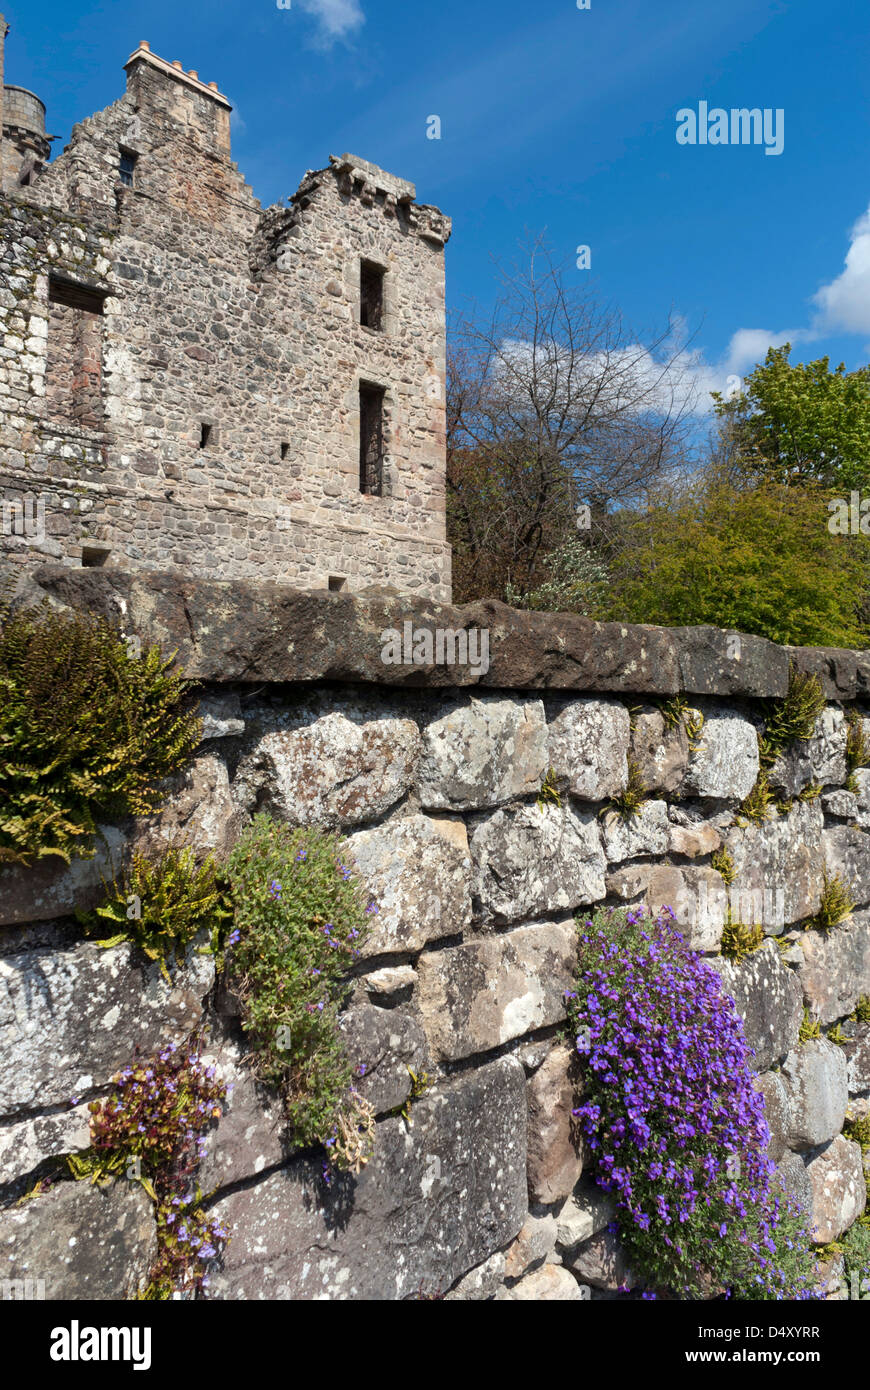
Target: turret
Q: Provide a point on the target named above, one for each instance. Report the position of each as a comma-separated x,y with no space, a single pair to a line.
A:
24,145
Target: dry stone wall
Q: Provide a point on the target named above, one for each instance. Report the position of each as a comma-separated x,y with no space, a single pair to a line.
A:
483,1191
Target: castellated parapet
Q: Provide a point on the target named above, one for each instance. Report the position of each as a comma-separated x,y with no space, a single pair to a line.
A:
188,380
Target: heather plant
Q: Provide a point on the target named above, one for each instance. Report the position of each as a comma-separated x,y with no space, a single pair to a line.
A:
151,1127
88,728
673,1120
162,905
299,921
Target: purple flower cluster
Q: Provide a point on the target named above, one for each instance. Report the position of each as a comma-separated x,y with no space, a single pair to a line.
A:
671,1115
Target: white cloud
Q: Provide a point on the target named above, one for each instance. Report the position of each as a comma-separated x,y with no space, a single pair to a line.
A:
336,18
845,302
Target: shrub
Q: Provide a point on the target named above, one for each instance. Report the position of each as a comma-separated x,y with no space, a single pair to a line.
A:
86,729
299,920
672,1118
152,1127
161,906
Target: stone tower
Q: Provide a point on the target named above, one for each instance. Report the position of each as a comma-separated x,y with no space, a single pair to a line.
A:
199,383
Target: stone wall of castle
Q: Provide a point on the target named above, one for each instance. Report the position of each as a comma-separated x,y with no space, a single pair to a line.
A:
435,777
180,371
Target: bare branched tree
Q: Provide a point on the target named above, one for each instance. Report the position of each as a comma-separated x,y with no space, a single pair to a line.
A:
552,404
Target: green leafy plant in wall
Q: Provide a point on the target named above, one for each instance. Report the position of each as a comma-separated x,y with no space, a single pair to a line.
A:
836,904
549,794
628,802
722,861
300,918
810,1028
789,720
862,1009
740,940
88,727
162,905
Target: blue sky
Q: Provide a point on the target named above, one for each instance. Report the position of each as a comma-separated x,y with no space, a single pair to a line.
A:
553,118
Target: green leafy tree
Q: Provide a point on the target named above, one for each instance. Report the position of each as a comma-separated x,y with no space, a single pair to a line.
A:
795,422
758,560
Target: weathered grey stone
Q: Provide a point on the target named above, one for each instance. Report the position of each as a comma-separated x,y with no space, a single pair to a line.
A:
814,1076
834,667
767,998
419,880
781,863
333,772
835,972
85,1242
693,841
842,804
588,748
26,1144
644,832
602,1263
383,1044
533,1244
717,662
221,716
630,882
70,1019
555,1159
252,1133
494,988
531,860
698,899
661,750
588,1210
857,1054
723,762
838,1186
425,1210
776,1111
391,985
480,1285
862,797
483,753
847,856
50,888
819,760
198,811
549,1284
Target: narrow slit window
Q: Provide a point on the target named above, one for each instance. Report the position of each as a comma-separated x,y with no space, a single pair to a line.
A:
205,434
126,167
285,450
371,296
371,440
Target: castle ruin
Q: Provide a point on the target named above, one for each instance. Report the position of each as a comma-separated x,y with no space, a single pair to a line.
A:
190,381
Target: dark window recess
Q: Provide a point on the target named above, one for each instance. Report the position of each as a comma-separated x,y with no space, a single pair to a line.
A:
74,358
336,583
126,166
371,296
285,450
205,434
93,557
371,439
